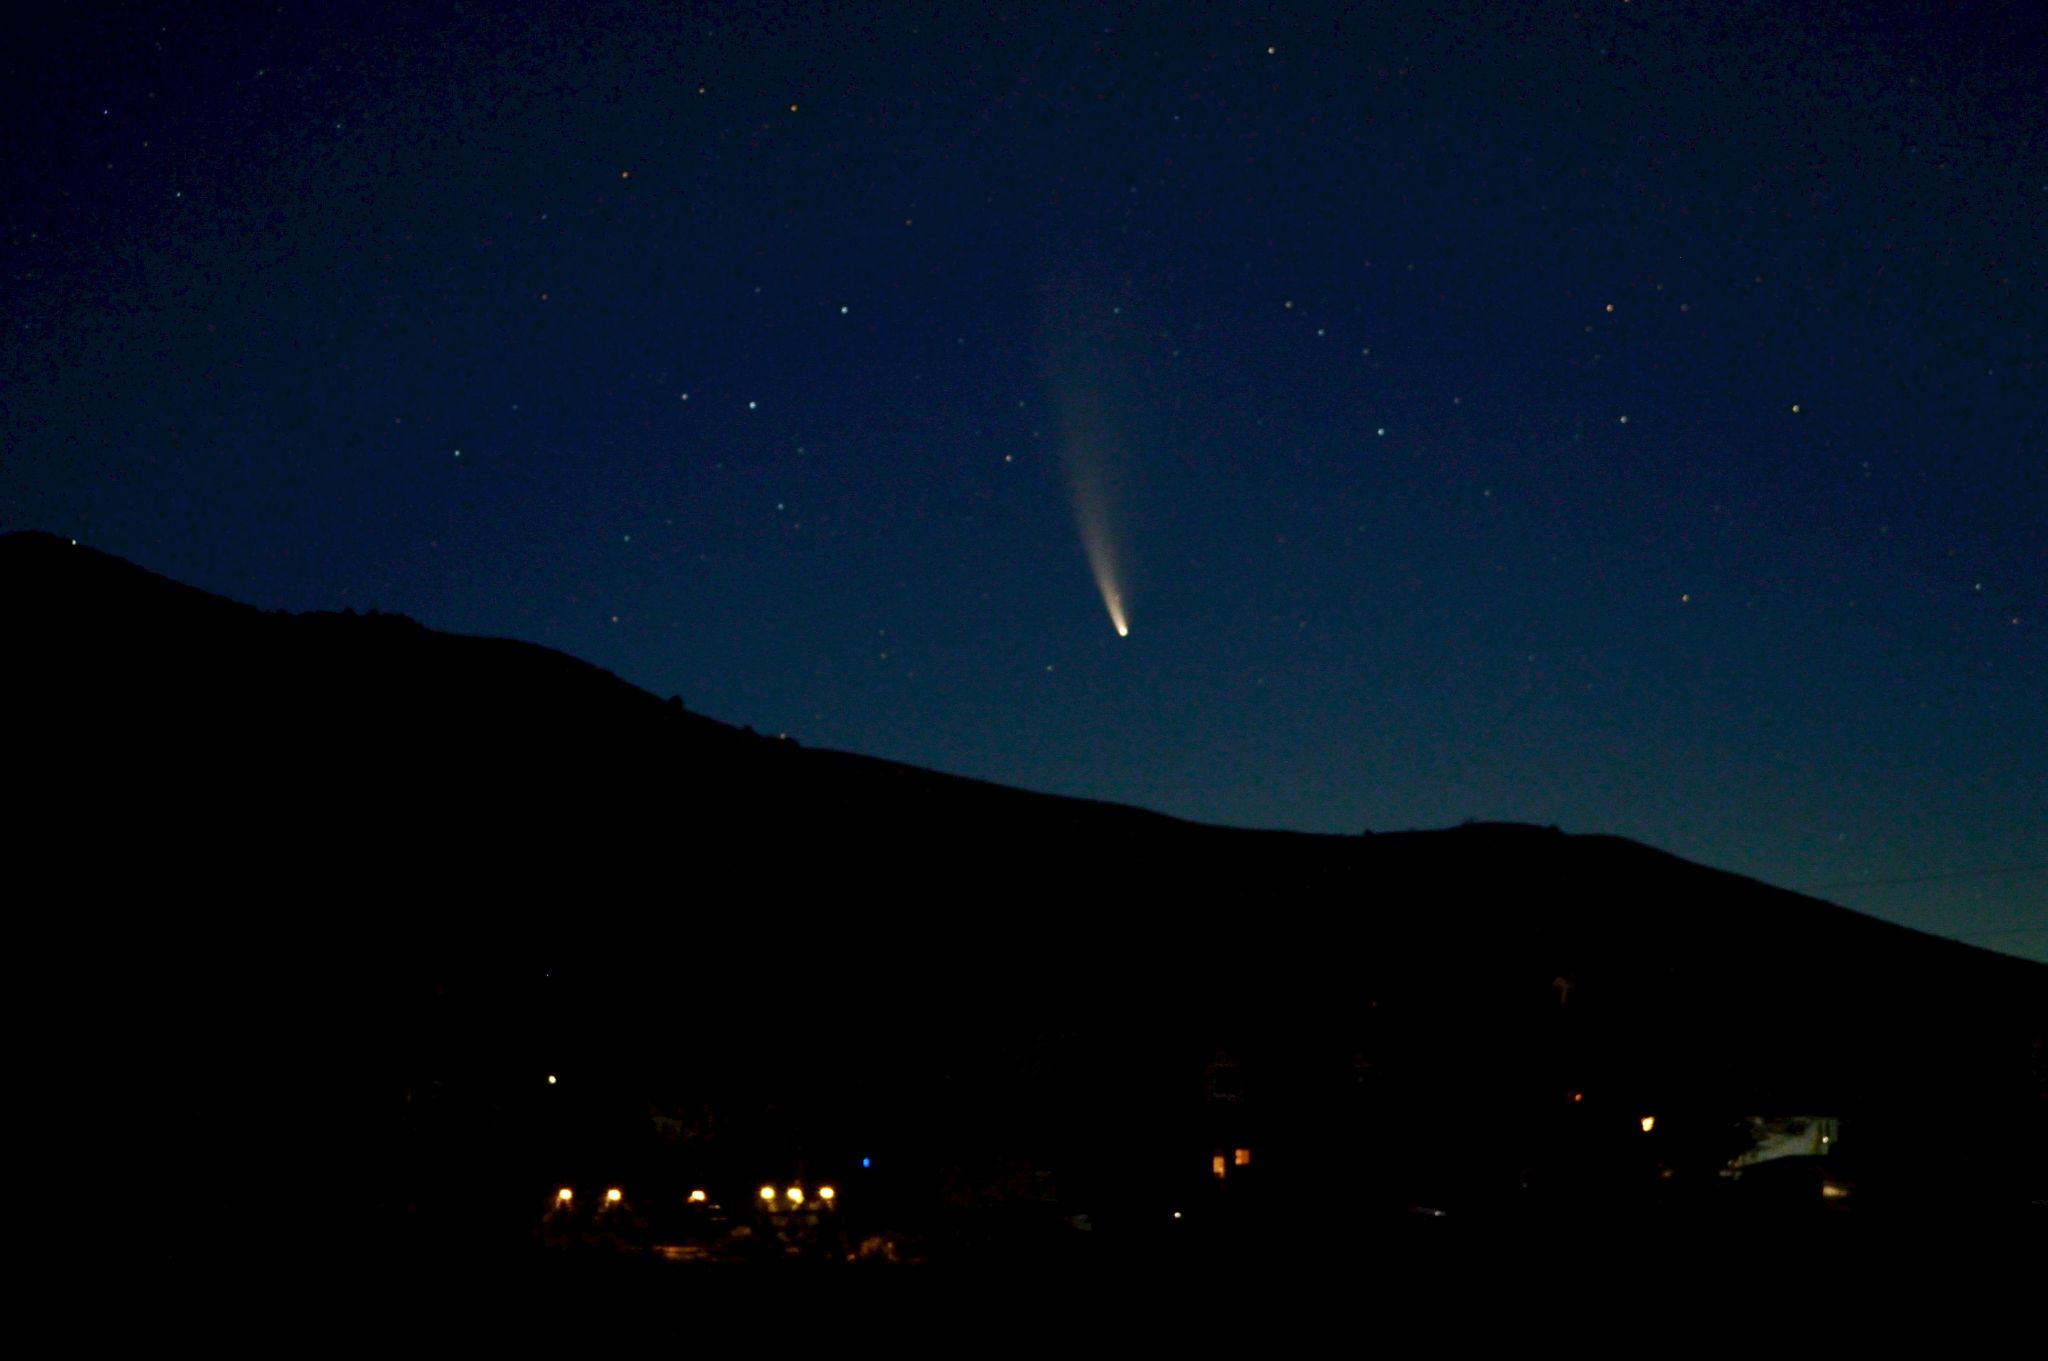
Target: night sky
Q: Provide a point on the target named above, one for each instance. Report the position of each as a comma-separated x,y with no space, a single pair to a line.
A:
1629,416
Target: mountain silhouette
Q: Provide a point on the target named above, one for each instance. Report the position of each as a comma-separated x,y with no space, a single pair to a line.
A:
318,899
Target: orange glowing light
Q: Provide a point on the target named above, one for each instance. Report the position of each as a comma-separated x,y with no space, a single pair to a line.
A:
795,1194
768,1193
564,1196
1649,1123
696,1197
1216,1166
826,1193
1241,1157
614,1196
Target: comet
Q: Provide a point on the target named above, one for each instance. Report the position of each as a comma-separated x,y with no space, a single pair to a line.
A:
1087,347
1094,513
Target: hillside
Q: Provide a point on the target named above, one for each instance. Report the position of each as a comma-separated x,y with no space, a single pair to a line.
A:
337,864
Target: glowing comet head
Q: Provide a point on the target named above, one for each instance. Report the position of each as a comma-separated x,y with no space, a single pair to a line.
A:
1116,614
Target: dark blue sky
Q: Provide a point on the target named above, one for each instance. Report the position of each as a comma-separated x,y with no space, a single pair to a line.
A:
1633,417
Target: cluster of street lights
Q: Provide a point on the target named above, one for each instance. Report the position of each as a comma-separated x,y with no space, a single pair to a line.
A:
565,1197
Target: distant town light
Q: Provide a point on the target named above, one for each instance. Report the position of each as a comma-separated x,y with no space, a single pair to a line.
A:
826,1193
564,1196
1241,1157
795,1194
1216,1166
768,1193
696,1197
1649,1123
551,1079
614,1196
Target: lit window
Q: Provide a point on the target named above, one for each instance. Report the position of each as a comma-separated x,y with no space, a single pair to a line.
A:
1216,1165
1242,1157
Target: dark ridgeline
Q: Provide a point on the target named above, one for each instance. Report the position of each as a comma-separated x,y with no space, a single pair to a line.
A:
306,907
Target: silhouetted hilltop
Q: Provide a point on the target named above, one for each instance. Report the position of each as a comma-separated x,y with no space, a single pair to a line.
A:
334,862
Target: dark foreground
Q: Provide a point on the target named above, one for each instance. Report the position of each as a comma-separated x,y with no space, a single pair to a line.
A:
1409,1284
